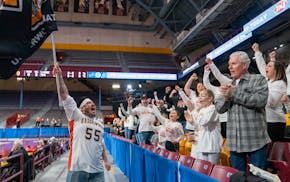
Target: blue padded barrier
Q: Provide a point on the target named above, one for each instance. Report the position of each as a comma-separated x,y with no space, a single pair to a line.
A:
142,165
33,132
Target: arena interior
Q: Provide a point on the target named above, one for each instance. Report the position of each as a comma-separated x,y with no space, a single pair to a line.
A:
113,50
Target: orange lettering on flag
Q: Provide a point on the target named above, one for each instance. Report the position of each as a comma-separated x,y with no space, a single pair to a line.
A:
37,17
10,3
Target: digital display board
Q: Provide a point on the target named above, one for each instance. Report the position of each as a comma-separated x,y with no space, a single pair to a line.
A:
99,75
132,76
267,15
236,40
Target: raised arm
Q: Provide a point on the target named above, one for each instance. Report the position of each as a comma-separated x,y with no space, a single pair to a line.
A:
187,86
155,96
190,104
206,81
157,113
217,74
259,59
130,110
123,110
120,114
63,89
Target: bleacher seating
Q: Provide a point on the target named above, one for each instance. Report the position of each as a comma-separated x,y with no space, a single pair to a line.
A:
36,104
9,100
32,64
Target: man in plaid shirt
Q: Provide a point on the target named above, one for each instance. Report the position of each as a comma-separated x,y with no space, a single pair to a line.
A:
245,100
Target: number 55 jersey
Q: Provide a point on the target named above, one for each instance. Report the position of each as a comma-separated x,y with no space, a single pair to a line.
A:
86,136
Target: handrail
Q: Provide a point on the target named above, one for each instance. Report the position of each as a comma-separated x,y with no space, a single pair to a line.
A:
42,159
19,173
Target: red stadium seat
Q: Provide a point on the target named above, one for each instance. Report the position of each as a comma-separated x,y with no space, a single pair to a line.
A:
143,145
146,146
222,173
269,148
279,160
174,156
186,160
164,153
150,147
277,151
202,166
157,150
287,152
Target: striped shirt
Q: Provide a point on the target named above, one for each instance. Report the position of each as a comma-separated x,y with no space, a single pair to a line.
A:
246,127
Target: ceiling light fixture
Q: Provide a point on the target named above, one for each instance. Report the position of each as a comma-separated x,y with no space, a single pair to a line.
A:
129,86
116,86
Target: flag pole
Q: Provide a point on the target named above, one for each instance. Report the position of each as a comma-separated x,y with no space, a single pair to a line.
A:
54,64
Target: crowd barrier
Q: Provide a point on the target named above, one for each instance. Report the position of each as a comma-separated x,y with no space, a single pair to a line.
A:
33,132
139,164
18,173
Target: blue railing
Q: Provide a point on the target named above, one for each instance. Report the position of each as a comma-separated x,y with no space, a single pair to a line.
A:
33,132
139,164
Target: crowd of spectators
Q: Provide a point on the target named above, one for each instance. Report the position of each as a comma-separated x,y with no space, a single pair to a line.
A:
246,109
41,122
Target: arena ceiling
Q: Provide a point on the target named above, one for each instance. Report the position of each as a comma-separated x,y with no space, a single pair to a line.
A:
205,22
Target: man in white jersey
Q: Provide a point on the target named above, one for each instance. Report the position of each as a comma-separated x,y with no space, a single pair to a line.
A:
87,153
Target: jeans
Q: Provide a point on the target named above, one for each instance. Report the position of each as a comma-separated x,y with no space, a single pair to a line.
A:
126,132
130,133
257,158
145,136
82,176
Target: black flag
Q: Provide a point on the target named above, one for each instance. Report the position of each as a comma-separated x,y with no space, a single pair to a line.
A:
41,24
15,31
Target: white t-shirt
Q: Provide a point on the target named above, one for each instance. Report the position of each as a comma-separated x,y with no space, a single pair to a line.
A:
87,140
146,117
208,137
288,79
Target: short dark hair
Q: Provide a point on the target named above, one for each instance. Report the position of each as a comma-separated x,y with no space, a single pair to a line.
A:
81,100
